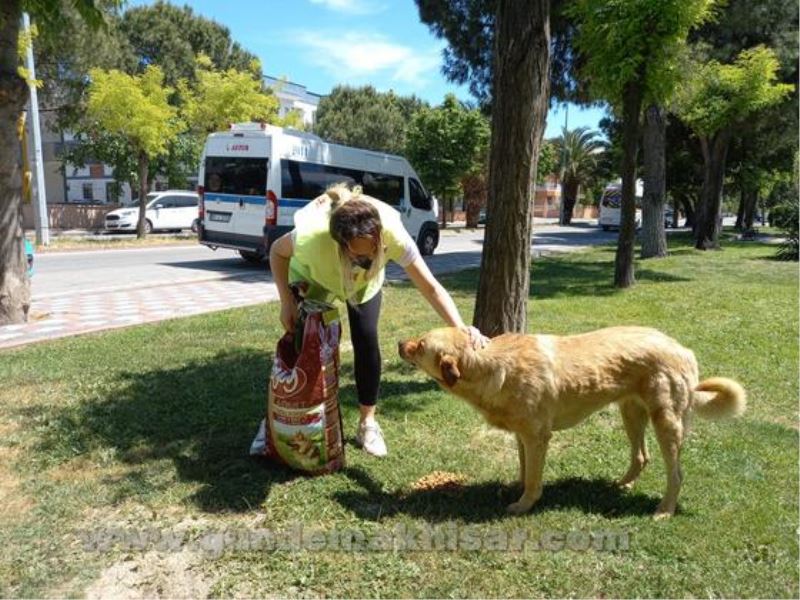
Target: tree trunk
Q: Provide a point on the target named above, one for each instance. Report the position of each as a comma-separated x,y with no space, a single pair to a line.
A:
15,290
654,237
570,189
143,167
750,202
474,187
709,215
740,211
631,109
688,210
519,107
443,207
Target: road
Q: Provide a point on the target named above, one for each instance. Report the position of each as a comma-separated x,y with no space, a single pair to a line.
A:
68,273
81,292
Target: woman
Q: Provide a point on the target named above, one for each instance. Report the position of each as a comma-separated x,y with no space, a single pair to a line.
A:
340,245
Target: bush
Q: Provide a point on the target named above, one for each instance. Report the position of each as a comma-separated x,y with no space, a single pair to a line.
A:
787,217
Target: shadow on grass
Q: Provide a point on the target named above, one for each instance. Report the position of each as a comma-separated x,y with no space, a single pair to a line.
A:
202,417
551,278
487,501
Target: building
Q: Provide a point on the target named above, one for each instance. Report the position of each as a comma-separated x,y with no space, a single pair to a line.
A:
293,96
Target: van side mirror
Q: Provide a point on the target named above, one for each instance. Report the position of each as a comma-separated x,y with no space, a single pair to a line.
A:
157,206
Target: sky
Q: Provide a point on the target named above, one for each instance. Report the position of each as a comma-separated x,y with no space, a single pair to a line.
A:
324,43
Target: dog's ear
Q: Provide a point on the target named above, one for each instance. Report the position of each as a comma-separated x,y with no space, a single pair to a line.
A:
450,373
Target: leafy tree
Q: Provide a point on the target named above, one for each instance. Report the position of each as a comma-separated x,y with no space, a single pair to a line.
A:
642,41
136,109
577,151
502,49
365,118
469,28
47,14
715,99
172,37
445,144
219,98
548,160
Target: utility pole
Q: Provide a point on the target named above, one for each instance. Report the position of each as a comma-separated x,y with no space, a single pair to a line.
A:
40,214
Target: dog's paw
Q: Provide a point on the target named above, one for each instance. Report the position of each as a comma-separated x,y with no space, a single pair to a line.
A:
519,508
624,485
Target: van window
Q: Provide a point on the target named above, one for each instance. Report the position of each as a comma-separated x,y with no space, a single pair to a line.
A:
388,188
612,198
236,175
419,199
309,180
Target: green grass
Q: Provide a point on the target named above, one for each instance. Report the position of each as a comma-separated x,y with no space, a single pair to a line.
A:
101,242
149,427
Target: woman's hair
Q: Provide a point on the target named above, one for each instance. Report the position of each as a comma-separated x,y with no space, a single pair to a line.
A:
352,216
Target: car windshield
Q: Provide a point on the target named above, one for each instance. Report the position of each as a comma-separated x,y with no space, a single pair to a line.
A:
150,198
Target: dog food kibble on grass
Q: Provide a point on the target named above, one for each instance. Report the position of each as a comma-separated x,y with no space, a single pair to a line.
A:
439,480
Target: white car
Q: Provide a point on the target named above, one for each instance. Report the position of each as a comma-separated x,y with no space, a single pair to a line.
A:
173,209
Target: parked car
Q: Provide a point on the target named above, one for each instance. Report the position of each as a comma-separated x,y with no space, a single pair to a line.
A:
170,210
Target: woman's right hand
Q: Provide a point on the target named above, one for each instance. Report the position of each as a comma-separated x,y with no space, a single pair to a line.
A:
289,315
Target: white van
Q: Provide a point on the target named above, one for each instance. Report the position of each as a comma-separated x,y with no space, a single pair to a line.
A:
611,206
254,177
170,210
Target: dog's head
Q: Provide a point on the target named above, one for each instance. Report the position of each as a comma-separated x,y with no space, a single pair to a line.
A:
439,353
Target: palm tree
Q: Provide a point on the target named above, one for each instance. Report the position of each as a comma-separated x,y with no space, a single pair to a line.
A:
578,152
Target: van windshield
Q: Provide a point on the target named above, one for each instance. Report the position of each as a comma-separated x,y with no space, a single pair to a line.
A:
236,175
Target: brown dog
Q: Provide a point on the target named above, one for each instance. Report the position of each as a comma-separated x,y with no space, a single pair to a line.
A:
532,385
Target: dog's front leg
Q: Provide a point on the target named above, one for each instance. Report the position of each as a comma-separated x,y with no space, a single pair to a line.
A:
521,452
535,450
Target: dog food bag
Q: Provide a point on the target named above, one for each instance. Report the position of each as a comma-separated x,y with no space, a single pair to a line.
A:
303,426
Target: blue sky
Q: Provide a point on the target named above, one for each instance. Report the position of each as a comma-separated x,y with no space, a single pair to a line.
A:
324,43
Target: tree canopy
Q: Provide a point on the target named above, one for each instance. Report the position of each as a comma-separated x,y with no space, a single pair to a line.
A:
172,37
366,118
445,143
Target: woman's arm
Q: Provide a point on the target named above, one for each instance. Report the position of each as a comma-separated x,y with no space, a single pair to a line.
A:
279,256
441,301
433,292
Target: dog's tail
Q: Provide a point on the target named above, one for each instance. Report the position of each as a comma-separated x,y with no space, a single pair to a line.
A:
719,397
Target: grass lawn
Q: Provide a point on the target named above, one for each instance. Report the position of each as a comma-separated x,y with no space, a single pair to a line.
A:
146,430
101,242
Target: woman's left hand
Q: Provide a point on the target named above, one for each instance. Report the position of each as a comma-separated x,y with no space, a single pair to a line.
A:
476,338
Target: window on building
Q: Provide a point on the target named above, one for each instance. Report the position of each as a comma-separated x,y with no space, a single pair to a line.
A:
88,192
113,192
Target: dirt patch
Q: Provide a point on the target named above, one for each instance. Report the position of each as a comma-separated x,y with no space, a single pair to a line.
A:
153,575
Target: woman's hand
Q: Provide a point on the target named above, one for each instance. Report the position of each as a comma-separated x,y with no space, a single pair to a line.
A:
289,314
477,340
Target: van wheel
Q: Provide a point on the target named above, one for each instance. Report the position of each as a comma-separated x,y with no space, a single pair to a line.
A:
428,240
606,228
251,257
148,227
195,224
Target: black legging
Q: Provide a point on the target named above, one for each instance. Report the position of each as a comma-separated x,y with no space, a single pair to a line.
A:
366,350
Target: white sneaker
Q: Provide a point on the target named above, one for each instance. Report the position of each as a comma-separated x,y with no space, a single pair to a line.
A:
370,438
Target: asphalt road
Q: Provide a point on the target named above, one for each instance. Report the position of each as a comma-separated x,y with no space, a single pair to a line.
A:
69,273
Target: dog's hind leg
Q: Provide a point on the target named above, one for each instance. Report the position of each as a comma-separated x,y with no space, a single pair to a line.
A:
535,447
521,452
669,431
634,417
